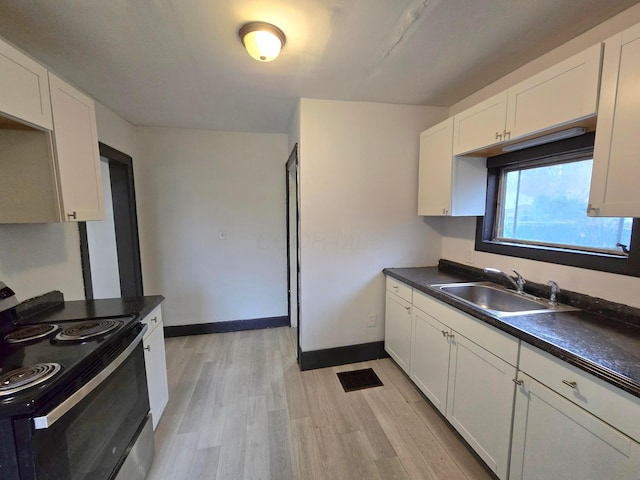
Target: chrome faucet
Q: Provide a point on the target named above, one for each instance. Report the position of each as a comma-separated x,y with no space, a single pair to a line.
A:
518,283
553,301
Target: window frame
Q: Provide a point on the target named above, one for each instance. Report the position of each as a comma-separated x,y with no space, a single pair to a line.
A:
485,226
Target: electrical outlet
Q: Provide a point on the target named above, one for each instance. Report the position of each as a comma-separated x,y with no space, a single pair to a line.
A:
372,320
469,258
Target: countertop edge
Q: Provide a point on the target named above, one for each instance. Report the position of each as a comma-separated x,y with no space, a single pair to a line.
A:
613,378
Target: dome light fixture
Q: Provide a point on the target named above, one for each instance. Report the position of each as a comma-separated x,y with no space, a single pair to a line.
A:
262,40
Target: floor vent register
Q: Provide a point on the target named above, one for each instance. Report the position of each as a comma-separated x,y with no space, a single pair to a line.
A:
359,379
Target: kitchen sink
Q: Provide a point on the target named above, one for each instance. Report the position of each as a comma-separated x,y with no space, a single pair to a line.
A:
498,300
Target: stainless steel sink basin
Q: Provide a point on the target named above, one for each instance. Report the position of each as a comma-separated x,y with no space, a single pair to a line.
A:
498,300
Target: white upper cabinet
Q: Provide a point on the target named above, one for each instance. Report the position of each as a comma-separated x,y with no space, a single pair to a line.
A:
558,96
616,164
448,185
75,139
565,95
435,170
480,126
24,88
52,176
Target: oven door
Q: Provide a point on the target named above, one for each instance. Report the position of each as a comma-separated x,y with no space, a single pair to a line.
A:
88,435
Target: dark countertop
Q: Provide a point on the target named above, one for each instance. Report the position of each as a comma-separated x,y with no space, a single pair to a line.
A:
101,308
598,343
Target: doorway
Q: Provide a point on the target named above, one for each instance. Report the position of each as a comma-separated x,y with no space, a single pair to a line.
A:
293,244
110,249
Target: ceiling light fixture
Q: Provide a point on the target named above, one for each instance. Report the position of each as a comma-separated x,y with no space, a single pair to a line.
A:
262,40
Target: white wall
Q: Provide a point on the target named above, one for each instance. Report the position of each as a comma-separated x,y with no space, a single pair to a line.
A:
358,167
115,131
601,32
103,251
191,185
38,258
459,234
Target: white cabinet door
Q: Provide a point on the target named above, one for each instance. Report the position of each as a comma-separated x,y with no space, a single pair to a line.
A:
436,169
24,88
156,365
448,185
616,165
397,330
554,439
430,358
77,154
558,96
480,126
480,401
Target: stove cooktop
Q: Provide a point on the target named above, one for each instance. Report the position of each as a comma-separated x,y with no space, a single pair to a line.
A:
57,346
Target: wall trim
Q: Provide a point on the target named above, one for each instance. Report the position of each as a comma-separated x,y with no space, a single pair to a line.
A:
223,327
330,357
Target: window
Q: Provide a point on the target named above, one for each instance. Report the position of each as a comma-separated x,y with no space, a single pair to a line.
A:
536,208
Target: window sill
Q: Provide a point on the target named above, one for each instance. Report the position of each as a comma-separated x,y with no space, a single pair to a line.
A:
592,261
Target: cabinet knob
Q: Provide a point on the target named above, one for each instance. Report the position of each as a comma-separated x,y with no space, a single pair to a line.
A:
72,216
517,382
593,210
445,333
148,348
408,309
506,134
498,136
395,288
570,384
154,319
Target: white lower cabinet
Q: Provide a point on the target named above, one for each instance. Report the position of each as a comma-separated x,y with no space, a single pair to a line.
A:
471,386
555,422
397,328
480,401
553,438
430,358
156,364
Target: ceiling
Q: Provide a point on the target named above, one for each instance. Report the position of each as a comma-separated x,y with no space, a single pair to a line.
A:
180,63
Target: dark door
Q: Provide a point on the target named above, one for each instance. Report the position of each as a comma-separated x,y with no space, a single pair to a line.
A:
125,225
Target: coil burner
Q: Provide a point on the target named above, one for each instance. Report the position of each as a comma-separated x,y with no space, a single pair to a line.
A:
87,330
30,333
26,377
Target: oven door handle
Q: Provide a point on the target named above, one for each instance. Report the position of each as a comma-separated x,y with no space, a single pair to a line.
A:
57,413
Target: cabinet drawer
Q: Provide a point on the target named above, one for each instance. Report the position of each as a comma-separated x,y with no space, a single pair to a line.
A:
153,320
603,400
403,291
488,337
433,307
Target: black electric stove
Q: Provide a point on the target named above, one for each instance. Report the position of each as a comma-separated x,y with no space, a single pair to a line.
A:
73,391
61,356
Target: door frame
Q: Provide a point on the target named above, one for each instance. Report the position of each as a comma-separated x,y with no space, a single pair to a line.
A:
293,162
125,224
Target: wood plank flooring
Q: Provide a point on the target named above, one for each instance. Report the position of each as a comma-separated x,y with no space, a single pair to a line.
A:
240,409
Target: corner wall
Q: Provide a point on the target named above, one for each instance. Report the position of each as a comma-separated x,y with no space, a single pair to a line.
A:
358,170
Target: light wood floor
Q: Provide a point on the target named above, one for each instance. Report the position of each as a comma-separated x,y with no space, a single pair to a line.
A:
240,408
